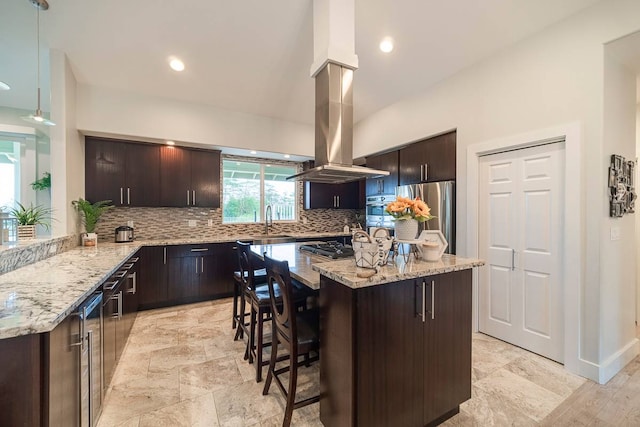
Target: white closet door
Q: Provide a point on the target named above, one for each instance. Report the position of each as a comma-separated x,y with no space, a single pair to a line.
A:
520,238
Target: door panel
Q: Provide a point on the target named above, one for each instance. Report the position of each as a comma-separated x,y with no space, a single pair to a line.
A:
520,236
205,178
143,175
175,176
104,170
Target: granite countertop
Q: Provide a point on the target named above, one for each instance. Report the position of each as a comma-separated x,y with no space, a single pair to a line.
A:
306,267
37,297
402,268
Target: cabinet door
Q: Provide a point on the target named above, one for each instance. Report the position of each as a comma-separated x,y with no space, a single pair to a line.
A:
109,340
437,154
175,177
205,178
217,280
63,371
387,184
142,175
447,373
183,277
152,276
390,344
332,196
105,170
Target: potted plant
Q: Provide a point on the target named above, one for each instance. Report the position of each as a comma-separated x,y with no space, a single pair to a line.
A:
28,218
42,183
407,214
91,213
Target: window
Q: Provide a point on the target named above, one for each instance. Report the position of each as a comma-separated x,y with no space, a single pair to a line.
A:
9,173
248,187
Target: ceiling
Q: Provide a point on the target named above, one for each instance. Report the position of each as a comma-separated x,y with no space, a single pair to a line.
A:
255,55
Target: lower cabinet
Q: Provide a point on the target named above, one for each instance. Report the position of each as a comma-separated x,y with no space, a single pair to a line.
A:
395,354
178,274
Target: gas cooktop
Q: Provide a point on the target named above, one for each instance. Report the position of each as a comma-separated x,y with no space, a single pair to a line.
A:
330,249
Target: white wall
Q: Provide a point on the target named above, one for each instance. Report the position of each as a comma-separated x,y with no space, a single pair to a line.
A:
554,77
110,111
618,273
67,147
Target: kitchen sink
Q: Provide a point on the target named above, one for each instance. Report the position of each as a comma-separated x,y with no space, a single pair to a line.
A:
269,239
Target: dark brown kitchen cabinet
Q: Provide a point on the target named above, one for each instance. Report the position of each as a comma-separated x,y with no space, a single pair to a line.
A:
397,353
152,276
332,196
429,160
124,172
40,378
189,177
386,184
218,271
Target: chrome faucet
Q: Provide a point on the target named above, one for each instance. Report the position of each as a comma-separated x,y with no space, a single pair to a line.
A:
268,219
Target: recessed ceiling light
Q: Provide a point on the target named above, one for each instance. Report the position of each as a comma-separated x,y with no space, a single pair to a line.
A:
286,156
254,152
171,143
386,45
4,86
176,64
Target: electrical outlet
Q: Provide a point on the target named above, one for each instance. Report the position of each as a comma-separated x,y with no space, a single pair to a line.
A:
615,233
130,224
192,223
210,223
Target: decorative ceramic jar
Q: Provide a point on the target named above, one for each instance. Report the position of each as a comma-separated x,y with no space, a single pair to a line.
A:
406,229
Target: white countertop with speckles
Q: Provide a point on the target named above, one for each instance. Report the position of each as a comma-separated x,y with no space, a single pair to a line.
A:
37,297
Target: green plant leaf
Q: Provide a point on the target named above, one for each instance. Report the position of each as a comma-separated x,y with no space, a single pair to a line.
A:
91,212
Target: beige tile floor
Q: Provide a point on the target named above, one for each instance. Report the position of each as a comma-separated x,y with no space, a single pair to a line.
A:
181,367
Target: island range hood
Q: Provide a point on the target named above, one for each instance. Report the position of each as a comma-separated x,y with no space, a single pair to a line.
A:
334,130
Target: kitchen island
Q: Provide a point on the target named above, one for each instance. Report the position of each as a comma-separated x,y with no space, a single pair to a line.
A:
395,348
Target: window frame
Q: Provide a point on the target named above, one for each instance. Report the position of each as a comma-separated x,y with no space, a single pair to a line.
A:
263,164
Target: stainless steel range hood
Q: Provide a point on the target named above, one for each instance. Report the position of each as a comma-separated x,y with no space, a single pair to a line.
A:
334,130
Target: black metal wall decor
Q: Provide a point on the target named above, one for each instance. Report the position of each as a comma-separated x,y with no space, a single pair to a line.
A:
622,194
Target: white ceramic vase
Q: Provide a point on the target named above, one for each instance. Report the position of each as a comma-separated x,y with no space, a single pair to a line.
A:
406,229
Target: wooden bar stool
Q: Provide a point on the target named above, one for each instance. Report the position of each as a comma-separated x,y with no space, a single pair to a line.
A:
296,330
251,273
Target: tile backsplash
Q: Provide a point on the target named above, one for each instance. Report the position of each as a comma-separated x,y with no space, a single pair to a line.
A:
165,223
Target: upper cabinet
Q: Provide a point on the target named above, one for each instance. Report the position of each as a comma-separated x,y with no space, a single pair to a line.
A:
139,174
189,177
333,196
432,159
387,184
318,195
125,173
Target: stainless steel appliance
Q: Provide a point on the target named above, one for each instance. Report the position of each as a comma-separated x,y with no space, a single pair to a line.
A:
331,249
90,345
124,234
376,217
441,198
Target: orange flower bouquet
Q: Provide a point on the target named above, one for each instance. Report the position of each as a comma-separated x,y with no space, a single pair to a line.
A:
405,208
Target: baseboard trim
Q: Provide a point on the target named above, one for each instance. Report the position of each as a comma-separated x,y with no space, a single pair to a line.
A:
614,364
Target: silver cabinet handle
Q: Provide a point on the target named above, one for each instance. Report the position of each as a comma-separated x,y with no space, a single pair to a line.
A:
118,297
187,197
90,373
338,199
134,260
165,254
127,266
120,274
201,264
421,172
513,259
80,341
108,286
199,249
121,196
426,171
128,195
424,301
134,280
433,299
196,265
193,199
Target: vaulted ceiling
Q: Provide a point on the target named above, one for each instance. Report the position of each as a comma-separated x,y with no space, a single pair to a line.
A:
255,55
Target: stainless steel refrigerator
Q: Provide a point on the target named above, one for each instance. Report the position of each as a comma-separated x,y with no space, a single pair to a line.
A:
441,198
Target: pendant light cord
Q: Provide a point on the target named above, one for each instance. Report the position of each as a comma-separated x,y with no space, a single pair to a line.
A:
38,52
